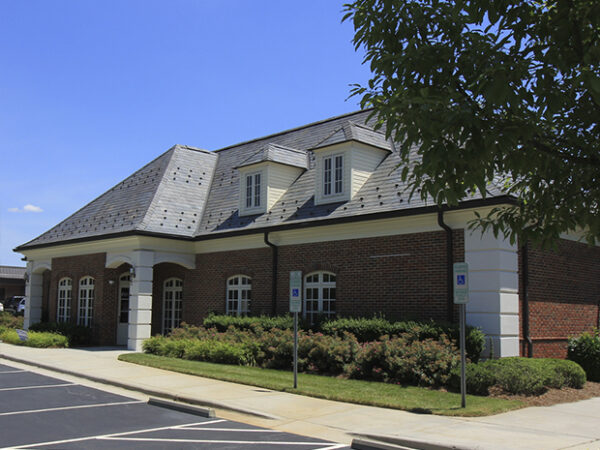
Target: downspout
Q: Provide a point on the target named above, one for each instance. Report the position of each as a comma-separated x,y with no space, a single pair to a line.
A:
449,265
525,259
273,275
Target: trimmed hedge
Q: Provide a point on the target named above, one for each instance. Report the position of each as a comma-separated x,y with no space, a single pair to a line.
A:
394,360
364,329
35,339
77,335
585,351
516,375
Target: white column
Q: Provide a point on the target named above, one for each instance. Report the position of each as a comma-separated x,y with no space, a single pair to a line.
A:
140,300
34,289
494,291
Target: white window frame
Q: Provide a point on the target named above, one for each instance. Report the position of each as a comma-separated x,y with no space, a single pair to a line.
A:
239,295
172,304
253,185
85,309
333,177
323,291
63,302
253,195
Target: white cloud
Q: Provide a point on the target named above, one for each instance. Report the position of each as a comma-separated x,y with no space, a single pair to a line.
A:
27,208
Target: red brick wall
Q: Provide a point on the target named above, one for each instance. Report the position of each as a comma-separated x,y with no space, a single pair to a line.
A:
208,287
104,313
400,276
563,294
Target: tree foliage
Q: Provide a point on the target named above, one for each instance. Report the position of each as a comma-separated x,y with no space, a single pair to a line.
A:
503,93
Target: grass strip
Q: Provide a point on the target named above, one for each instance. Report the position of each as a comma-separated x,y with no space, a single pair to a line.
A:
408,398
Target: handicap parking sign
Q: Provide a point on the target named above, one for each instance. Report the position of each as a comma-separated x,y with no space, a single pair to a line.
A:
461,280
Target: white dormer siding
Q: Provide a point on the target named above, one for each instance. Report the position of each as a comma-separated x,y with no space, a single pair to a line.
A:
358,161
275,179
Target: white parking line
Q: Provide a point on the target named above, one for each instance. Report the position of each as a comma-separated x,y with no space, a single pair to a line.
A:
11,371
65,408
148,430
41,386
240,430
332,447
208,441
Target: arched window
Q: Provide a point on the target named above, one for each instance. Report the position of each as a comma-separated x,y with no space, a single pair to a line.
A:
172,304
86,302
239,295
319,295
63,305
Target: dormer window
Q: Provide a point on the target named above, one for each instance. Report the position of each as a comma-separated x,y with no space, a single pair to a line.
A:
253,190
333,174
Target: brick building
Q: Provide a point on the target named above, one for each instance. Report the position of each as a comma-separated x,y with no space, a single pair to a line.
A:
194,232
12,281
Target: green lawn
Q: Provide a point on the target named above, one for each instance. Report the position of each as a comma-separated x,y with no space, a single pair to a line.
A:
408,398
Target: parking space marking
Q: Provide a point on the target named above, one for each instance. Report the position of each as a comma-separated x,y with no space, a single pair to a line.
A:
64,408
11,371
125,433
209,441
235,430
42,386
333,447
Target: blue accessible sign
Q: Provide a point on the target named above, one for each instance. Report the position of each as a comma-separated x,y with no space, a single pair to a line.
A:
461,283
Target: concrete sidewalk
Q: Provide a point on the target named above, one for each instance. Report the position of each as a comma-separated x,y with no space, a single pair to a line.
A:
572,425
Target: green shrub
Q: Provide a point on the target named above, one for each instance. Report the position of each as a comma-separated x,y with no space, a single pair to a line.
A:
77,335
35,339
248,323
398,360
364,329
218,352
480,378
585,351
9,320
524,376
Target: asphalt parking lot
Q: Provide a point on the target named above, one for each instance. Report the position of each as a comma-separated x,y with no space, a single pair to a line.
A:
37,411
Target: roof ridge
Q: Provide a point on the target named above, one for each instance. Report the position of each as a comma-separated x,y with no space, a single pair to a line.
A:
285,147
291,130
196,149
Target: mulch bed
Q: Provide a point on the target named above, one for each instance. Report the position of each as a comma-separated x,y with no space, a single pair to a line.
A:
553,396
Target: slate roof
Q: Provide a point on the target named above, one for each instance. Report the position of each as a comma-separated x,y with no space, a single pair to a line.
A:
193,194
279,154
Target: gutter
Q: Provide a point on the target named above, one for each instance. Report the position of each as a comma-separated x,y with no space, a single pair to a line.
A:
449,265
526,331
274,263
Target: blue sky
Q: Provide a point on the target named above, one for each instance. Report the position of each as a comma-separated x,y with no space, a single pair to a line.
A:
91,90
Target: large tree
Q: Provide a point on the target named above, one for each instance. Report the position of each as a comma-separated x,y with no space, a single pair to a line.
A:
503,91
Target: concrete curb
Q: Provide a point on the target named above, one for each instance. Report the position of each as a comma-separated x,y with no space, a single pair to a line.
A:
182,407
361,444
380,442
149,392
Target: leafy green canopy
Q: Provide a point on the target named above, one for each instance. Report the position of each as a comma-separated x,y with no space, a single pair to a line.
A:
504,92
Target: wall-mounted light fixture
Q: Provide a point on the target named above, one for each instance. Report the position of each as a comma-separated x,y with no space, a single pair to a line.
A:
111,282
26,277
132,272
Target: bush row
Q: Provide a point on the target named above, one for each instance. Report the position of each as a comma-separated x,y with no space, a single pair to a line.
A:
585,350
364,329
397,360
35,339
516,375
77,335
8,320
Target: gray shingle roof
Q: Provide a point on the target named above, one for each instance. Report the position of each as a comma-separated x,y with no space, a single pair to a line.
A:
279,154
12,272
194,193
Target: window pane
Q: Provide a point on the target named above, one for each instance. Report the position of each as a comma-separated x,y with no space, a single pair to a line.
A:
338,174
327,176
248,192
257,189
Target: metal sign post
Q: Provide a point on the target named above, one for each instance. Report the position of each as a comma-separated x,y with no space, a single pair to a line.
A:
461,297
295,307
